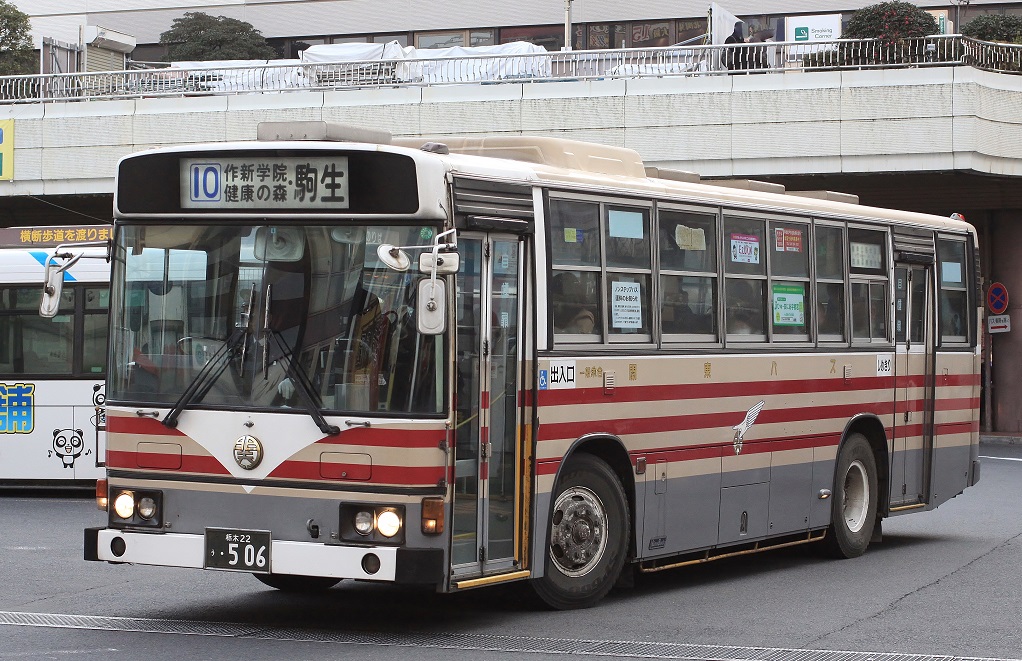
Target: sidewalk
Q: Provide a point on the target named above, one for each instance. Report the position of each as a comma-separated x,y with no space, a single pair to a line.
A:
1000,438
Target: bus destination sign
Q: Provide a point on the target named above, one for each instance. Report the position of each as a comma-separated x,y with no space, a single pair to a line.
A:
265,182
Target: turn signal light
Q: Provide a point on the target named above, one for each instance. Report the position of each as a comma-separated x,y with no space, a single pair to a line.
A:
101,494
432,516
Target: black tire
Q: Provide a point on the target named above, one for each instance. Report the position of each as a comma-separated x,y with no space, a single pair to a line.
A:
589,532
292,583
854,505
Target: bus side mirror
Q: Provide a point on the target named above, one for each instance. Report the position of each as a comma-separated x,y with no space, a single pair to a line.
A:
52,289
431,306
445,263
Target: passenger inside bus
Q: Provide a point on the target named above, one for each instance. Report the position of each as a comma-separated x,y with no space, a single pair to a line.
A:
572,314
745,307
678,315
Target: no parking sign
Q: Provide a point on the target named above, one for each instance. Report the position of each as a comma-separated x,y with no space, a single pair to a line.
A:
997,298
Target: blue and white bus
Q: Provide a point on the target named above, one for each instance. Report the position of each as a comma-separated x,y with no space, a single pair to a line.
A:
52,388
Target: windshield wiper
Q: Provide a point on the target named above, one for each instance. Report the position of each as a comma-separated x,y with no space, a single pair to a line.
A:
302,384
215,366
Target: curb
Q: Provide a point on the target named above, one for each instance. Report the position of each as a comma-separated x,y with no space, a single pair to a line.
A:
1000,439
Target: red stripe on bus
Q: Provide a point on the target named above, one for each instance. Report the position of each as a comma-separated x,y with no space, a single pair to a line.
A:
572,430
189,463
711,390
958,427
124,424
390,475
957,404
388,438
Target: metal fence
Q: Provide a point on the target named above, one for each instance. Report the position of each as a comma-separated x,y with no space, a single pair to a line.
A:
292,75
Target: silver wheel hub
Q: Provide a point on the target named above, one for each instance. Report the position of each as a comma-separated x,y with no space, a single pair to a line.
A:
855,497
578,532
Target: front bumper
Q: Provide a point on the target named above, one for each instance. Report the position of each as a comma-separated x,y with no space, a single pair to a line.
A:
397,565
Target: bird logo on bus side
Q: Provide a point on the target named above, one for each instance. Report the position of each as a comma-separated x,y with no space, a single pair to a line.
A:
743,427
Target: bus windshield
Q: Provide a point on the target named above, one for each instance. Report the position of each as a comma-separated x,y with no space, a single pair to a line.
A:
267,317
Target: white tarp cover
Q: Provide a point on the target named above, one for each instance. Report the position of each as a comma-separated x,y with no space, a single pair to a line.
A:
242,75
518,59
459,64
391,50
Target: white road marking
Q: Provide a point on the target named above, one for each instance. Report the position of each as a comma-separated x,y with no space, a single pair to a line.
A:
459,641
1001,458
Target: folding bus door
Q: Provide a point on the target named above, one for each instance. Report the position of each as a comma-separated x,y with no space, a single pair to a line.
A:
487,494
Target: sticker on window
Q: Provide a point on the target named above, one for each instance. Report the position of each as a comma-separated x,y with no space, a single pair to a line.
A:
951,272
625,224
626,305
787,239
865,255
789,305
572,235
690,238
745,248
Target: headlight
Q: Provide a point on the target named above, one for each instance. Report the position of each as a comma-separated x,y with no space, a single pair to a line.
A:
124,505
388,523
146,507
364,522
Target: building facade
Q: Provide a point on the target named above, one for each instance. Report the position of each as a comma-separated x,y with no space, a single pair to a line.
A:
292,25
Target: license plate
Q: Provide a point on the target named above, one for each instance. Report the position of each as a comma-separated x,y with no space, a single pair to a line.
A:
238,550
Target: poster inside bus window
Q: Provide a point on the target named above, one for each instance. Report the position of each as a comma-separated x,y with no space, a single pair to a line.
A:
745,248
626,307
866,256
265,182
789,304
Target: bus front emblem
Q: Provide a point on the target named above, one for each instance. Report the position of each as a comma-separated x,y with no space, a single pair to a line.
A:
743,427
248,452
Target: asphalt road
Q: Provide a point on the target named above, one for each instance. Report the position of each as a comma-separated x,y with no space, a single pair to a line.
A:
942,584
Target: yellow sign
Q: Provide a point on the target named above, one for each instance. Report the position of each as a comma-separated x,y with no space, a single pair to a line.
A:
6,149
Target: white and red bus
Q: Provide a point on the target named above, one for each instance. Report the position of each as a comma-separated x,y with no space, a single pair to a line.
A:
494,359
52,424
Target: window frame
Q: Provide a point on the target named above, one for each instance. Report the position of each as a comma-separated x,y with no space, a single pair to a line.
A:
715,338
78,311
829,340
967,287
884,277
604,336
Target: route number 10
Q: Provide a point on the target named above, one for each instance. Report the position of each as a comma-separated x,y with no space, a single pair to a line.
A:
204,182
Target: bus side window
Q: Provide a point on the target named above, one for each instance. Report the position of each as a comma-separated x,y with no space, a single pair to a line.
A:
575,311
954,292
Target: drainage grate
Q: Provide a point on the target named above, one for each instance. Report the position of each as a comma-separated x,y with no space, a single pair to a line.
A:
462,641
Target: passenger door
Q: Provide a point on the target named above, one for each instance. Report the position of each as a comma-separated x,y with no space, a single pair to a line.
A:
913,406
487,485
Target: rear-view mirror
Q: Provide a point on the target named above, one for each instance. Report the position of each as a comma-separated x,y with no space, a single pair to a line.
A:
279,244
52,289
446,263
431,308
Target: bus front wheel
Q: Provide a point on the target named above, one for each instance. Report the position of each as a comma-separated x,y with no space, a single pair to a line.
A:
589,530
292,583
854,506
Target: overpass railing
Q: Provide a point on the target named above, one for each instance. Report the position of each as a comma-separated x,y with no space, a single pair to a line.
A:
293,75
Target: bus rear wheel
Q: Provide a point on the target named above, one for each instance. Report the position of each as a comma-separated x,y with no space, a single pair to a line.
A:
854,505
589,530
292,583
